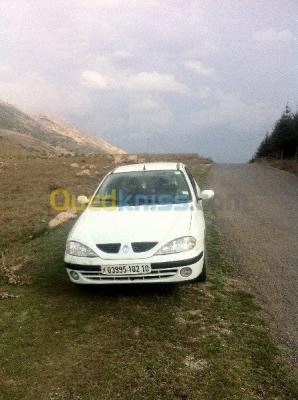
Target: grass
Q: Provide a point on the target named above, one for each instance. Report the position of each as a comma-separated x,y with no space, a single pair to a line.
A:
192,341
286,165
26,184
25,187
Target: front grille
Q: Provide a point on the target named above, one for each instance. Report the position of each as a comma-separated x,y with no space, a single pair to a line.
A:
109,247
159,270
139,247
156,274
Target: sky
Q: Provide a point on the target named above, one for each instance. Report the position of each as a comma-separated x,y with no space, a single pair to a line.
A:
204,76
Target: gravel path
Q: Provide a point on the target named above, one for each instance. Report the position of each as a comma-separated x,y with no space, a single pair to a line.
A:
256,209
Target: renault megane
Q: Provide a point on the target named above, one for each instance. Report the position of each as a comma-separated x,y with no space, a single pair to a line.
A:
144,224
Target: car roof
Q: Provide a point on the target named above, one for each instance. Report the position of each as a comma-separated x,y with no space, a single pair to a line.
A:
152,166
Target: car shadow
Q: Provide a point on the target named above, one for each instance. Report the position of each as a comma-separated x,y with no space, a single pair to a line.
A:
114,291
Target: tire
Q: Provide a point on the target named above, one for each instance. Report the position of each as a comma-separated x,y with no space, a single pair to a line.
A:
203,275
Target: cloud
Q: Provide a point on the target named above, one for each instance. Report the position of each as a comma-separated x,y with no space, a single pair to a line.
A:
34,93
155,81
142,81
5,72
4,69
145,105
204,49
147,115
95,80
103,4
29,91
122,54
232,113
198,68
163,72
271,36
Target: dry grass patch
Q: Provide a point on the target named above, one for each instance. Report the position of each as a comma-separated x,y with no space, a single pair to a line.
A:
286,165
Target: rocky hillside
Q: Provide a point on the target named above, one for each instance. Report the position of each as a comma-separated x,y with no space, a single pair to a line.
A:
82,138
47,134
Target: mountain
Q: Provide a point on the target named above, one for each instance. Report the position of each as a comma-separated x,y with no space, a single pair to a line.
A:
48,134
82,138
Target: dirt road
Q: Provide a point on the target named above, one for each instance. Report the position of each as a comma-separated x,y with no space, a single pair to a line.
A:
256,210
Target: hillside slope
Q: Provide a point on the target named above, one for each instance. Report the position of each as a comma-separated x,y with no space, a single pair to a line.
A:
20,141
54,135
82,138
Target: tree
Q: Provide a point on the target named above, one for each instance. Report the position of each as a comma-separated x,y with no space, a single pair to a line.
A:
282,142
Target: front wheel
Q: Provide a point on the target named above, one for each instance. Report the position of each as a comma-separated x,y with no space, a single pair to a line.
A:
203,275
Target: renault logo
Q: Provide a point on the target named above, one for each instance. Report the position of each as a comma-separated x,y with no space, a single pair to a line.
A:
125,249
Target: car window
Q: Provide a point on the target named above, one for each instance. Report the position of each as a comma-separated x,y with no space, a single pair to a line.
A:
192,181
143,187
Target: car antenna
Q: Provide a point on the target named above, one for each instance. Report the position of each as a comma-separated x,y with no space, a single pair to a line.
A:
144,168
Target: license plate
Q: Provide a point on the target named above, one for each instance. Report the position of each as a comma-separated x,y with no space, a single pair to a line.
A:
126,269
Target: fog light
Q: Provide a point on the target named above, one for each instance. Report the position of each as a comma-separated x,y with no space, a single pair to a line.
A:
74,275
185,272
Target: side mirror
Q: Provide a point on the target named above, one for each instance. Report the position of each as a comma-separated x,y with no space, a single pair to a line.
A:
206,195
82,200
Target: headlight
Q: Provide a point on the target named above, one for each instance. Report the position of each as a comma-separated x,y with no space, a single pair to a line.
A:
78,249
178,245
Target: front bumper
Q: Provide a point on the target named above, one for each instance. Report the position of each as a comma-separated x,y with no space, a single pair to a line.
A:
161,272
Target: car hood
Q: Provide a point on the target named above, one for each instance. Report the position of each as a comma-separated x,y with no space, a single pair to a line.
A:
98,226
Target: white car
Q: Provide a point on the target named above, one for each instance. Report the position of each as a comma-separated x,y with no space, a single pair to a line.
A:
144,224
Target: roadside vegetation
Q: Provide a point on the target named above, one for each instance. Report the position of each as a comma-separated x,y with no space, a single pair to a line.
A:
280,147
63,342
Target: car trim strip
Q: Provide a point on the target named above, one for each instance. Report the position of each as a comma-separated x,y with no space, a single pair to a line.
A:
178,263
160,265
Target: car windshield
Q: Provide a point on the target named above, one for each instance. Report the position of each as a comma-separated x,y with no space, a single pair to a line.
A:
142,188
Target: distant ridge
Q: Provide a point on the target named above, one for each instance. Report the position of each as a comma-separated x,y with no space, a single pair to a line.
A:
48,134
